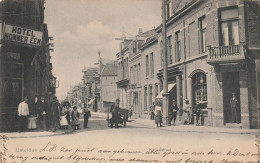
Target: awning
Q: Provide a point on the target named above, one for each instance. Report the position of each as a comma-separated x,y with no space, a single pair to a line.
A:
170,86
91,101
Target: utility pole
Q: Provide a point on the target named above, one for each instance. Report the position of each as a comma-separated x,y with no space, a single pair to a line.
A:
165,94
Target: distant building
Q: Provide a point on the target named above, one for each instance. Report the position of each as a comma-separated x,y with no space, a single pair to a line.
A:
108,92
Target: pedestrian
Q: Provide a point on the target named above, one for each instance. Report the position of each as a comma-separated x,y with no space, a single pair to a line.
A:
152,107
67,110
130,112
158,114
63,120
115,109
197,111
55,114
234,106
173,112
75,118
44,110
23,113
87,114
39,111
186,112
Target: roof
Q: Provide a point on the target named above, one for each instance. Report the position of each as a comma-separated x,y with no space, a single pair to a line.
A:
90,70
105,60
110,69
147,33
180,4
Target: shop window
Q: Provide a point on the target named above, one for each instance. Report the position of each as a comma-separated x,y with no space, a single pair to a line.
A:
199,87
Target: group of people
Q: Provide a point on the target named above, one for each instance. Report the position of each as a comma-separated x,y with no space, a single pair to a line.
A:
49,116
156,112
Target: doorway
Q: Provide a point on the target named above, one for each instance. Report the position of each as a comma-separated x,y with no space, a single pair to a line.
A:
230,85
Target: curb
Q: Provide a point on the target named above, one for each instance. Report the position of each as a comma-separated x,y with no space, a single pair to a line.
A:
195,131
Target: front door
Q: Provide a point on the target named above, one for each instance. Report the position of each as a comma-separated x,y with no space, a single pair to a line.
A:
231,85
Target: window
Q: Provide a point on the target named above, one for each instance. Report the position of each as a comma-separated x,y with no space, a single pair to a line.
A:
156,90
131,75
177,47
199,87
147,65
135,74
169,40
151,64
134,46
202,27
151,95
145,99
229,27
139,69
168,10
161,46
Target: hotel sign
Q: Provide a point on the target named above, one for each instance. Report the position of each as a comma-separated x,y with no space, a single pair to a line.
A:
22,35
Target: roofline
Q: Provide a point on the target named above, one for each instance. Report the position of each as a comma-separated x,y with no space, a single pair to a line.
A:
178,14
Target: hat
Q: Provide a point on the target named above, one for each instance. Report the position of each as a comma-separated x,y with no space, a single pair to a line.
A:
173,100
117,99
186,99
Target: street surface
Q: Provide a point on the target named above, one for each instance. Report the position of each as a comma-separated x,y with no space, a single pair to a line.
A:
134,143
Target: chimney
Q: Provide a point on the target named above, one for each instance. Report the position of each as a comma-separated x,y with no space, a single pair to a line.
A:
140,31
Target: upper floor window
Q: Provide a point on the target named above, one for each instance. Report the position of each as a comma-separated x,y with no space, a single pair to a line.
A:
177,46
147,65
202,27
229,26
134,46
168,10
169,40
151,64
161,51
138,73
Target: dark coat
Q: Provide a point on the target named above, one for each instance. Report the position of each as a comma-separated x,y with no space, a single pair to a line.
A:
55,109
198,108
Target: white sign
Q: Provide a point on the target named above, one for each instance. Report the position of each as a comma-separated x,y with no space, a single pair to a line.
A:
22,35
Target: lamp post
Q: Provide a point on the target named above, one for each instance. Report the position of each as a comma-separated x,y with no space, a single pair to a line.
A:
165,95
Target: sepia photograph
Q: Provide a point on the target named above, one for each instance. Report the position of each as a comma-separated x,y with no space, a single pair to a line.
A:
130,81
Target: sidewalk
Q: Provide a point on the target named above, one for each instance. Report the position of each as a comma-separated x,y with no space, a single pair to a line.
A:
193,128
36,133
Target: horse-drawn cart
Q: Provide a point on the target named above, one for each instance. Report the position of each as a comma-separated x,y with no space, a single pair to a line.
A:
122,117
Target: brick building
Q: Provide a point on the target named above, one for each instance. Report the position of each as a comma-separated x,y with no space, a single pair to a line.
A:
25,58
213,51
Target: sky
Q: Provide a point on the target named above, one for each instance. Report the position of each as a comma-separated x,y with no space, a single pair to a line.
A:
81,28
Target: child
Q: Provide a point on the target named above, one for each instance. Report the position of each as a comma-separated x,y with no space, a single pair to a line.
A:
63,120
75,118
32,123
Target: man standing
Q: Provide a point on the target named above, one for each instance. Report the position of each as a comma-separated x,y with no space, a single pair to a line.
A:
115,113
86,115
234,105
197,112
55,114
23,113
42,113
152,107
173,112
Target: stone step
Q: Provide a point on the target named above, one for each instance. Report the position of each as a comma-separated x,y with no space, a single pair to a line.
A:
233,125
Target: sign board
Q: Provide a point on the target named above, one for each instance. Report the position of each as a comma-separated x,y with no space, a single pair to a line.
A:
54,83
22,35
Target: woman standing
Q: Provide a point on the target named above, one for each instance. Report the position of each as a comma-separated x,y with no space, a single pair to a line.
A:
86,115
186,112
158,114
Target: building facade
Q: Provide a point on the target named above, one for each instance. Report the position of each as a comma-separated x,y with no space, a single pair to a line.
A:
25,58
213,49
108,91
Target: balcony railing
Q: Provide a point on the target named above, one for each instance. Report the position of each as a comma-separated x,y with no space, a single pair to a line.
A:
226,54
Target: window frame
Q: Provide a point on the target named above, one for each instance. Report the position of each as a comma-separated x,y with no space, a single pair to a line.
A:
203,46
229,20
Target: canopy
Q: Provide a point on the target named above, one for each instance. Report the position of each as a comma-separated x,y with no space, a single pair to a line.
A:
170,86
91,101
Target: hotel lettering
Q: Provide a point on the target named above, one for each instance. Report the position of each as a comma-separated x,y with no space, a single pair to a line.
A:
22,35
